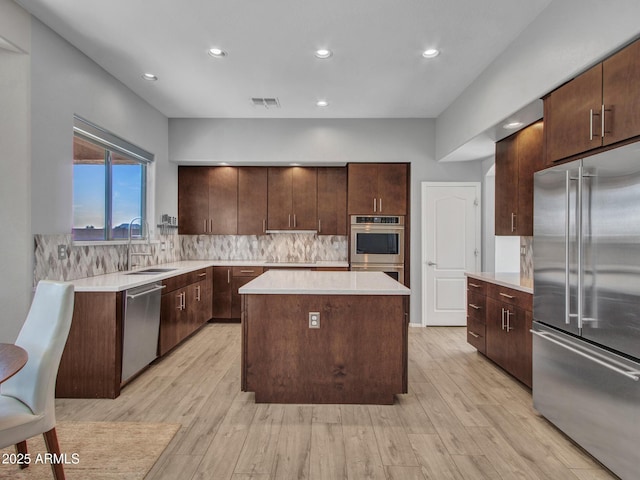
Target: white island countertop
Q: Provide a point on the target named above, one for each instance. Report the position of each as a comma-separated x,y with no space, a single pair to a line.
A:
287,282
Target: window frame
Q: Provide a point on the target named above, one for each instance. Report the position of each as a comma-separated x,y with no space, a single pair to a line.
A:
113,144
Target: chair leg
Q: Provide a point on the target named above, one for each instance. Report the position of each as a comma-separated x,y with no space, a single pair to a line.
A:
21,450
51,441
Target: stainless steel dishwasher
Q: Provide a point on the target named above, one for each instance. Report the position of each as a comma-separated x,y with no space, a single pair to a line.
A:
141,328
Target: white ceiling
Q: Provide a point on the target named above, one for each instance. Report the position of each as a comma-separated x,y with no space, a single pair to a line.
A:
376,70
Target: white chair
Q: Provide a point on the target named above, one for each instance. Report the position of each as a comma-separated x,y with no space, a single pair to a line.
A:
27,400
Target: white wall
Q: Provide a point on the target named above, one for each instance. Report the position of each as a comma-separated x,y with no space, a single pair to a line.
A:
566,38
16,244
64,82
325,141
488,214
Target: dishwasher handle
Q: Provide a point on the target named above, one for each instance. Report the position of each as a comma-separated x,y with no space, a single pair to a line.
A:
146,292
632,374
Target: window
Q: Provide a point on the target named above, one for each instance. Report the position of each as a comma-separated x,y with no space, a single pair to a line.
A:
109,184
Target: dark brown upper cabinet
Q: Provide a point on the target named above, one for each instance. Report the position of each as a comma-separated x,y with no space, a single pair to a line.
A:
292,202
377,188
332,201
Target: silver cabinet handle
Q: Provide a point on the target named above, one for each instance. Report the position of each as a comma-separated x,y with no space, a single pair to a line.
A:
228,276
513,222
198,293
475,307
473,334
205,226
247,271
506,295
264,225
294,221
474,285
632,374
602,122
182,303
211,225
289,220
202,275
380,202
502,318
319,225
508,318
591,124
374,205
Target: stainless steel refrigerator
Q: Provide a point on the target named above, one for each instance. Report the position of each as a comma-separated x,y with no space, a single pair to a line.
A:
586,307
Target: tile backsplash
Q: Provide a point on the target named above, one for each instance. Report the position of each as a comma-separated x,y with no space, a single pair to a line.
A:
89,260
281,247
526,260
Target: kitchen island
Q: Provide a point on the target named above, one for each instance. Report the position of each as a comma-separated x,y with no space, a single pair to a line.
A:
324,337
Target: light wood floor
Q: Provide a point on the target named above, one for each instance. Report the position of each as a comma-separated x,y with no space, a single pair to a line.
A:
463,418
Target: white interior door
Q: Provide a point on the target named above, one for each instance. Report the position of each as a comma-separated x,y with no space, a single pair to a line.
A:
451,246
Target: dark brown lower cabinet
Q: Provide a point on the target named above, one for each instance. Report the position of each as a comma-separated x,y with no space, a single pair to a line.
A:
505,336
226,282
186,308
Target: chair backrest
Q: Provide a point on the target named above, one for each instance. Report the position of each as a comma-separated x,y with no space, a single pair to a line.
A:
43,336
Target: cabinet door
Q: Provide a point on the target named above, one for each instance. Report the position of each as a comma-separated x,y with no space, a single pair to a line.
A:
517,362
221,292
279,201
170,319
392,189
304,198
223,200
332,201
621,89
362,188
530,159
572,116
193,200
506,188
252,200
236,298
496,345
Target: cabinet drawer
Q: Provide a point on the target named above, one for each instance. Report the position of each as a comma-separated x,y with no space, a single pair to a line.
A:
246,271
181,281
510,296
476,306
476,334
476,286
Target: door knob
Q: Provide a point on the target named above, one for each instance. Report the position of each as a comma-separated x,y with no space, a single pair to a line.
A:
432,264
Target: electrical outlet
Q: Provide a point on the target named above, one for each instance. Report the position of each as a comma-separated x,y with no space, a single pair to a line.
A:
62,252
314,319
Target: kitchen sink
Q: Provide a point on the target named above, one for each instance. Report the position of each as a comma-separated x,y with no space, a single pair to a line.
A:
151,271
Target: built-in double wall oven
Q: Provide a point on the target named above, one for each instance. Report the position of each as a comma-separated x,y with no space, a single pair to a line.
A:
377,244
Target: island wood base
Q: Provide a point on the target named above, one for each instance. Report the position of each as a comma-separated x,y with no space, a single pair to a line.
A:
358,355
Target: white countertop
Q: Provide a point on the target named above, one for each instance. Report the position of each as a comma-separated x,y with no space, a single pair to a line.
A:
118,281
303,282
510,280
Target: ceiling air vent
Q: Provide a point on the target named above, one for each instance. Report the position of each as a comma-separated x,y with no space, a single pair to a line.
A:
265,102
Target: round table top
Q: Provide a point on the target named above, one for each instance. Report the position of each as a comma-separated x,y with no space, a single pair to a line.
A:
12,359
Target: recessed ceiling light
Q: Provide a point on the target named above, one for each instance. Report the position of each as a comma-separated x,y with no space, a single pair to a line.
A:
512,125
323,53
223,163
322,103
430,53
294,164
149,77
217,52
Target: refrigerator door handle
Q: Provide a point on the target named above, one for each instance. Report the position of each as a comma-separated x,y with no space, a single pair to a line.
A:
580,246
567,230
632,374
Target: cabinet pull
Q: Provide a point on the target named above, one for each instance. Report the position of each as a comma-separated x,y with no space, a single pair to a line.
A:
474,285
603,119
506,295
380,204
211,225
289,220
513,222
264,225
475,307
473,334
228,276
198,293
294,221
319,226
202,274
508,323
502,318
591,115
374,205
205,226
247,271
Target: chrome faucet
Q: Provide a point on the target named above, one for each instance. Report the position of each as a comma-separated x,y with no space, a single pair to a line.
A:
137,254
